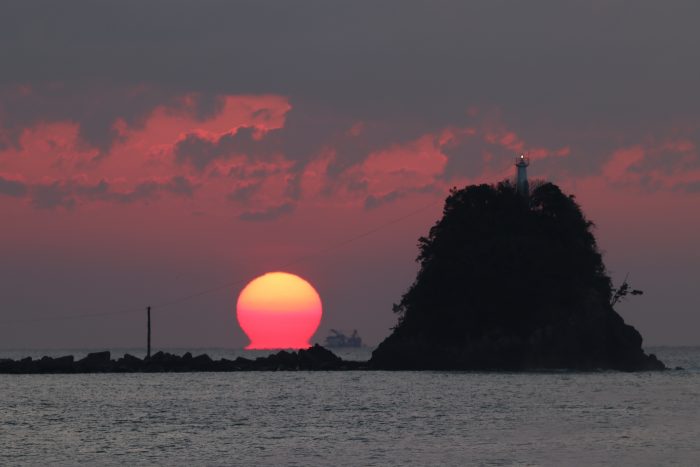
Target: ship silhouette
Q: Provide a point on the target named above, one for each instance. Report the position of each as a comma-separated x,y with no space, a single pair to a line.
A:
338,339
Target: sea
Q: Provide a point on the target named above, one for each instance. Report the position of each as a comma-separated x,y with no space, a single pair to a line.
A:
352,418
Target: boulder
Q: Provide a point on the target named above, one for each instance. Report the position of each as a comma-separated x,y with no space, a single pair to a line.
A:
129,363
318,358
95,362
242,363
56,365
202,363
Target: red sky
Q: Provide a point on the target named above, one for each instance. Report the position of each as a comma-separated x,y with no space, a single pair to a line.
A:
136,170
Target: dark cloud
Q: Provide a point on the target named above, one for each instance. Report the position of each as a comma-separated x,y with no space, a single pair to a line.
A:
196,150
200,150
268,214
15,188
293,189
688,187
53,195
373,201
68,193
180,185
308,130
243,193
670,159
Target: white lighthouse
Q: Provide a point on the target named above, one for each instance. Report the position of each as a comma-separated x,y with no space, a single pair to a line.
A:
521,163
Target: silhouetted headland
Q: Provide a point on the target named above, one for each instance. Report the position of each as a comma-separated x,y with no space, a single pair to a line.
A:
511,282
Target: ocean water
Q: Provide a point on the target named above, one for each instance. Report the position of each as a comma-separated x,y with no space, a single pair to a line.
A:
355,418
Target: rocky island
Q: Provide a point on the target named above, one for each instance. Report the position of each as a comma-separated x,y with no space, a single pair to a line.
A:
511,280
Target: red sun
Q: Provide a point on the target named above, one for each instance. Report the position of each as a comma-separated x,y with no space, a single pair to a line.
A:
279,311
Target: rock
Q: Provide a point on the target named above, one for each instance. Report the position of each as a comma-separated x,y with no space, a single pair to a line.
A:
95,362
55,365
654,364
226,365
202,363
315,358
7,365
244,364
318,358
282,360
163,362
129,363
511,283
26,365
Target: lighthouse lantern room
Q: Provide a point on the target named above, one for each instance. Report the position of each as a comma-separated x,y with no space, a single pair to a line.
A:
521,162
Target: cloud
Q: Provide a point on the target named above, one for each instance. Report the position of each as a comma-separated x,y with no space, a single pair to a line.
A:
180,185
200,149
375,201
688,187
68,193
260,182
244,192
12,187
671,165
372,201
267,214
52,195
307,130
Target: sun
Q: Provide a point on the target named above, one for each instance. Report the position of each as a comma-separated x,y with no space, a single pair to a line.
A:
279,310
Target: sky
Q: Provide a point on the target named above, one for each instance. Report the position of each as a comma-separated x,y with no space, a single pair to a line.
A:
165,153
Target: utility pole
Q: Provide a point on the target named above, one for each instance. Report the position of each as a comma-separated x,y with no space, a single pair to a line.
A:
148,351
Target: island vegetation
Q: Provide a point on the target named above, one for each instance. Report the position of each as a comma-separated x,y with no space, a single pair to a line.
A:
512,282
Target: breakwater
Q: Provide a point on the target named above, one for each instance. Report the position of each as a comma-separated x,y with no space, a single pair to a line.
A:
316,358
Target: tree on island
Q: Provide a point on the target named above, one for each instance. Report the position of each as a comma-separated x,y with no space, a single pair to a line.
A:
621,293
508,281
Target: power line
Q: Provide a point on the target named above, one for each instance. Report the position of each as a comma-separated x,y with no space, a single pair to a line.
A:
222,286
